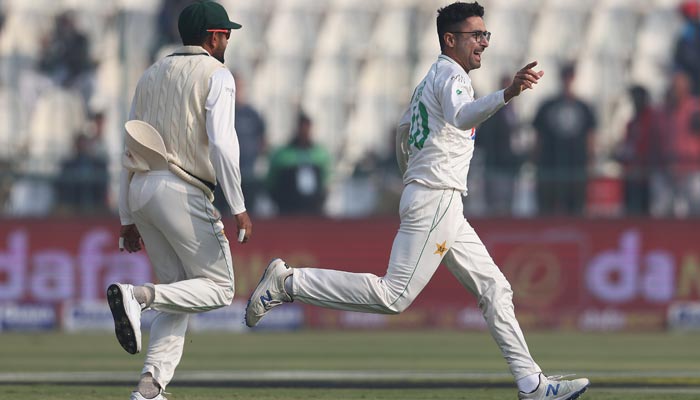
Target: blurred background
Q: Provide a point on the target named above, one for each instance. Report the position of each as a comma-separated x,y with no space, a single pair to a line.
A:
586,190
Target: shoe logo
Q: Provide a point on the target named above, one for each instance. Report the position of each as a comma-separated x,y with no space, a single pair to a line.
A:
265,300
555,390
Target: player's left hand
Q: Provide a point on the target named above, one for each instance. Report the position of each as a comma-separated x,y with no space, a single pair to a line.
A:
525,78
131,238
244,223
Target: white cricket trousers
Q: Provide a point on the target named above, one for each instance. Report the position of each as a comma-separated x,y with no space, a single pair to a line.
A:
191,258
432,227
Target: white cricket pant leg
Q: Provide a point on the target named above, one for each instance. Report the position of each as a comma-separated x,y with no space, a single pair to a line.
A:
427,225
471,264
191,258
430,221
165,346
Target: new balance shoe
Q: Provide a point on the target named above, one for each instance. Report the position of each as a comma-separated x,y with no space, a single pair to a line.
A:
138,396
269,293
126,312
553,388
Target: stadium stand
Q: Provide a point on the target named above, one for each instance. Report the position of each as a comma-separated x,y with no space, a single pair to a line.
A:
350,64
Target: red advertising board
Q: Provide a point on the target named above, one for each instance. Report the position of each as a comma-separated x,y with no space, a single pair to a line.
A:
565,273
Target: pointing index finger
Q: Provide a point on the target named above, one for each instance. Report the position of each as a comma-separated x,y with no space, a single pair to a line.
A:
530,65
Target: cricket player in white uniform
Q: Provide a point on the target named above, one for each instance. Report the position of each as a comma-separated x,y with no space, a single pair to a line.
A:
435,145
180,142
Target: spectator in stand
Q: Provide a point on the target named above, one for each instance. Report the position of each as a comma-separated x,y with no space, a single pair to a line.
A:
377,174
687,52
564,127
81,186
96,128
250,127
167,32
66,57
298,176
495,138
682,111
639,153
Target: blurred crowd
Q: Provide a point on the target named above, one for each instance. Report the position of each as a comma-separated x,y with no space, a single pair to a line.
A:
653,169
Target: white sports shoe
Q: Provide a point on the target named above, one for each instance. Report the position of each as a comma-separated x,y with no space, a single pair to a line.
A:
138,396
126,312
269,293
553,388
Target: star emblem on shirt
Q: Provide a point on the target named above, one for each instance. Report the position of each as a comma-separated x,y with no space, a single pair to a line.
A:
441,248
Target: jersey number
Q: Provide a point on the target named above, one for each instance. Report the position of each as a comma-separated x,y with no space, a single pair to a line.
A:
419,125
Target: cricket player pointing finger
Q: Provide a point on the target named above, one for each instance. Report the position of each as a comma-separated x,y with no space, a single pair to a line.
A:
180,142
435,146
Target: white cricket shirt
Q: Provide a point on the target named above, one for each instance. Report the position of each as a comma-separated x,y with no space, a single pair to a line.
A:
224,150
441,122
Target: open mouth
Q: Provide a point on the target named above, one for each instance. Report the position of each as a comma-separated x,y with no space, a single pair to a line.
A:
477,54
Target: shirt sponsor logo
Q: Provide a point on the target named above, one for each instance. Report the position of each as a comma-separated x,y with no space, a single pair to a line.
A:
458,78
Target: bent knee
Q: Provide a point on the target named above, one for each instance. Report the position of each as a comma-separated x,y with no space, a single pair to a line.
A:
228,296
389,310
394,297
225,295
396,307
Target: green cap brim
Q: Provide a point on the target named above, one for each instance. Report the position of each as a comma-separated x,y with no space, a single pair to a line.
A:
225,25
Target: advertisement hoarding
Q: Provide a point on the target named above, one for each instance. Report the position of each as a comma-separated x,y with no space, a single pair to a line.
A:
566,273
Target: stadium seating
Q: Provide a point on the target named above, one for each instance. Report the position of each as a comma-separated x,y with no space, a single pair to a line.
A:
351,64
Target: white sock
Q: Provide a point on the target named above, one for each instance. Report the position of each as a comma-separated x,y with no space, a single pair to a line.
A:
144,295
148,387
288,284
528,384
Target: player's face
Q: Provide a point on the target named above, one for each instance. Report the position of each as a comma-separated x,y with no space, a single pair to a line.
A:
219,45
469,46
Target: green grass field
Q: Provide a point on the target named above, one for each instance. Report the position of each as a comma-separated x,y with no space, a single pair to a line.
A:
350,365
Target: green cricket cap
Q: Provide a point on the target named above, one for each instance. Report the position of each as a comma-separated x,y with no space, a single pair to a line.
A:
197,18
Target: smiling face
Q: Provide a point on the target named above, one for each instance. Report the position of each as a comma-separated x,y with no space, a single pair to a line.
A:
466,48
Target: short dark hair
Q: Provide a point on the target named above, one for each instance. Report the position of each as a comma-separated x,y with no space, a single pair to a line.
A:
196,39
450,16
